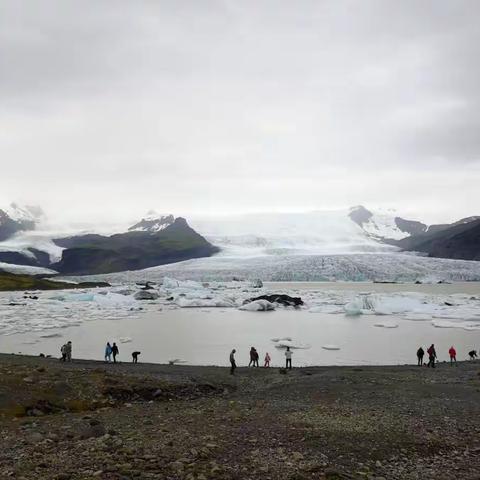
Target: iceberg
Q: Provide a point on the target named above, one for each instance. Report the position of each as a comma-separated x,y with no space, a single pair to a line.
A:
258,306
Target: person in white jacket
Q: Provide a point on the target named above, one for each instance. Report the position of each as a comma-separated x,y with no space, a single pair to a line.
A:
288,358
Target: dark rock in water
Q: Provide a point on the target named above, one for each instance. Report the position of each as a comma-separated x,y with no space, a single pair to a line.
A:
146,285
146,295
282,299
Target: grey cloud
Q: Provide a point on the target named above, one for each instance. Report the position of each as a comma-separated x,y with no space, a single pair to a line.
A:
225,105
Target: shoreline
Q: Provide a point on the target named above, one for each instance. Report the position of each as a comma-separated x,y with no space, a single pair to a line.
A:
90,362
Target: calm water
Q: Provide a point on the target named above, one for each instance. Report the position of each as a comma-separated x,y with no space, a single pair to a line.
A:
206,336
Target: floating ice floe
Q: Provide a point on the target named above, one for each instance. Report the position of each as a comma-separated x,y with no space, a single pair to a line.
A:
289,339
200,302
386,324
330,347
258,306
292,344
124,339
456,324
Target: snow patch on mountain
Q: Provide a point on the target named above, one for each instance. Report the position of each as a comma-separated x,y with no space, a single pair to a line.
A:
378,224
24,213
152,222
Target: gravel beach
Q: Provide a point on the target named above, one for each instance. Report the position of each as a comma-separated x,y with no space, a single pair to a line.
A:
90,420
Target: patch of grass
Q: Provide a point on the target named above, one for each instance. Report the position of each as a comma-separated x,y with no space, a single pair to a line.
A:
12,282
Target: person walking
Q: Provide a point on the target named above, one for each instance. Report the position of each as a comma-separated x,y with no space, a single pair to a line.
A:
63,351
432,355
233,365
115,352
108,352
267,360
453,355
420,354
69,351
288,358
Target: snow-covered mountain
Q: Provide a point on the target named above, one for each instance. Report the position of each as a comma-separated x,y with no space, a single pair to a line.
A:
16,218
275,241
385,224
152,222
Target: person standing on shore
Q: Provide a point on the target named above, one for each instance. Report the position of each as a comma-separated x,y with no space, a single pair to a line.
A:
63,351
108,352
267,360
453,355
69,351
288,358
233,365
256,356
432,355
420,354
252,357
115,352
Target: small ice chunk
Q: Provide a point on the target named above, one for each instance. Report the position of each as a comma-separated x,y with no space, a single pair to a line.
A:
387,324
330,347
124,339
355,307
258,306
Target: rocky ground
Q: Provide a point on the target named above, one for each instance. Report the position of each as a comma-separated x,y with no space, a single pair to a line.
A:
88,420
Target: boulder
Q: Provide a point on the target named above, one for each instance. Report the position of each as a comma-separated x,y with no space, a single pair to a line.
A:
282,299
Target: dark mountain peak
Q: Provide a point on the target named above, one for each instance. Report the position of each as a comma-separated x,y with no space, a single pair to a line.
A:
412,227
360,215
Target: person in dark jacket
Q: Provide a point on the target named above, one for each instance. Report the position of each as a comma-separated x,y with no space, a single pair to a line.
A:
135,356
257,356
233,365
115,352
432,355
253,357
420,354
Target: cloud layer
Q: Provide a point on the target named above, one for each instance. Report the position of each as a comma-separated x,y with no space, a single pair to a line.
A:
111,108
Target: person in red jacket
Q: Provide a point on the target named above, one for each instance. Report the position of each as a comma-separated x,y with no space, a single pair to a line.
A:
453,355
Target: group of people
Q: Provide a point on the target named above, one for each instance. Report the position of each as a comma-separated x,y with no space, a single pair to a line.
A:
432,355
254,358
111,350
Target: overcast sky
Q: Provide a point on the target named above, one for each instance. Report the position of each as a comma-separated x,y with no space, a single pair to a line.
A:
111,108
